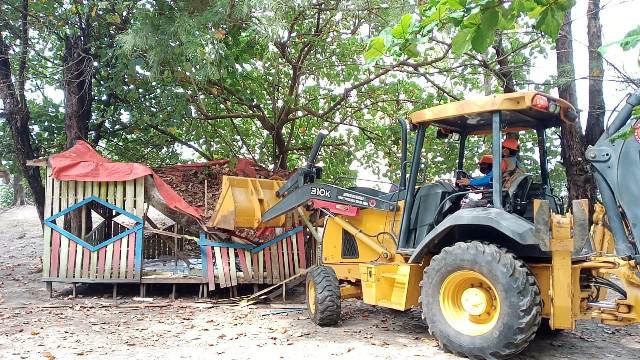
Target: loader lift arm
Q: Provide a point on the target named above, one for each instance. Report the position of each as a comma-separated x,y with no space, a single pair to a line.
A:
302,188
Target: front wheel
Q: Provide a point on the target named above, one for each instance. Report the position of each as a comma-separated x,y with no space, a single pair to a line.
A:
323,296
480,301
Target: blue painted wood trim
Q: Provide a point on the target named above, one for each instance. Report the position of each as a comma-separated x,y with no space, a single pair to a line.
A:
138,258
203,256
227,245
276,239
254,249
90,247
98,200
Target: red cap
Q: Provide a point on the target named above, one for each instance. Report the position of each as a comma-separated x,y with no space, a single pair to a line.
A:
511,144
486,159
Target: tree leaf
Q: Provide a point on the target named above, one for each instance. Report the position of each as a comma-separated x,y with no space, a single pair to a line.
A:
485,34
375,50
462,41
482,39
631,39
489,20
411,50
550,21
401,30
457,4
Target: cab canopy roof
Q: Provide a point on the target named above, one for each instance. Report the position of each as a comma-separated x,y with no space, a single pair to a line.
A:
520,111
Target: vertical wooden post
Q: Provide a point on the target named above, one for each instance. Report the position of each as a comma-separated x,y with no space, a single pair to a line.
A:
50,289
115,293
73,285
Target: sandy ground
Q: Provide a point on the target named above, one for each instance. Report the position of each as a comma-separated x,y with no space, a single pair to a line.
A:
32,326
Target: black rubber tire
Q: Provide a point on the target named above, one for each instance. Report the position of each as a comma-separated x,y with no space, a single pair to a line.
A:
517,290
327,296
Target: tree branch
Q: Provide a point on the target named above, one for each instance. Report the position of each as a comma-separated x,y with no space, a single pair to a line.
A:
24,46
181,141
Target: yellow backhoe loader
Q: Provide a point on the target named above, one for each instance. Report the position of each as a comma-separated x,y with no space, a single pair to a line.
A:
487,277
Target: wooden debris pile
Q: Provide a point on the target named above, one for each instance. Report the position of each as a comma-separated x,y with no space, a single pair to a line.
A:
200,183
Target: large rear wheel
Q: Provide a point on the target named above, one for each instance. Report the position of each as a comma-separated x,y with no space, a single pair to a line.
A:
323,296
480,301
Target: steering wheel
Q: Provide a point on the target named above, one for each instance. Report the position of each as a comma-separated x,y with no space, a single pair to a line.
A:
461,174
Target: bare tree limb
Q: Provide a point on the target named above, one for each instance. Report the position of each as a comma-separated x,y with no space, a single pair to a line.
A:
179,140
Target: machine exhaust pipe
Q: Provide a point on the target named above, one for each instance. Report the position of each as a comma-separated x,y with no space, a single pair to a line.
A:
315,150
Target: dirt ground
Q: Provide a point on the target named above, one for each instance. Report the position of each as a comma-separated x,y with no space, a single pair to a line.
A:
33,326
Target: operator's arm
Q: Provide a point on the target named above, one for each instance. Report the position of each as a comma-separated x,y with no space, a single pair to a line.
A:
482,180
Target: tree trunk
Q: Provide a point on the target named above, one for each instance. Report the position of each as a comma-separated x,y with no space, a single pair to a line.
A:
18,117
78,96
580,181
19,196
595,118
281,152
508,85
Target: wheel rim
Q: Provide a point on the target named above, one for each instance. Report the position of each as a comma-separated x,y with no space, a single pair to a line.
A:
469,302
311,296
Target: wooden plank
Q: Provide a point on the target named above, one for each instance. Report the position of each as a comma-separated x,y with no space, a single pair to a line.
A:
124,245
139,211
254,262
99,189
115,264
302,253
65,196
219,268
248,257
267,262
281,262
78,270
210,272
128,206
139,197
101,255
48,200
111,194
290,252
261,267
86,255
285,258
225,265
294,244
246,274
71,263
232,267
55,253
85,189
275,264
131,256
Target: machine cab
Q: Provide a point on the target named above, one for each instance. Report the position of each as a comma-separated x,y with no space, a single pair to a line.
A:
494,118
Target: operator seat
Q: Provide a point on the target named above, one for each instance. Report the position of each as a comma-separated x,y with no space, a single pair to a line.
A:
517,198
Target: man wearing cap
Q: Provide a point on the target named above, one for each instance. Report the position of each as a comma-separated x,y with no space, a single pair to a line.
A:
511,166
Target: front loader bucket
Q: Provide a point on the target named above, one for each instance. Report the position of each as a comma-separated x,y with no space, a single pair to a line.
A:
242,202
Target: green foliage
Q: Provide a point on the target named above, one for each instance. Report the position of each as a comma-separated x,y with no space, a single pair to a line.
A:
631,39
473,24
629,42
6,196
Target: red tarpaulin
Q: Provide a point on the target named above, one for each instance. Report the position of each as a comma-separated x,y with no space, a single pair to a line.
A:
83,163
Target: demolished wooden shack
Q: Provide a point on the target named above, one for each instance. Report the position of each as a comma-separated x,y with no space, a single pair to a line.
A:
99,226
